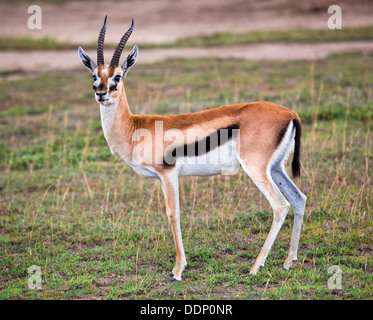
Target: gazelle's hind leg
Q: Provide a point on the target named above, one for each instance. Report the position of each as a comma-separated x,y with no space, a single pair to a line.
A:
280,206
297,200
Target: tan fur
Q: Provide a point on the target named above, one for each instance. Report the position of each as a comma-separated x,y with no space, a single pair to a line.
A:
259,123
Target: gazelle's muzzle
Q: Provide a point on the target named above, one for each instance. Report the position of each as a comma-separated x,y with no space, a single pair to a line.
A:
101,92
101,96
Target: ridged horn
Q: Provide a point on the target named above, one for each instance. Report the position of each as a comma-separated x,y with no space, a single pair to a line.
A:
100,45
118,51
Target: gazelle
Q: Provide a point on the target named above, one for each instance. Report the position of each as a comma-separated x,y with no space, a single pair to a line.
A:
257,136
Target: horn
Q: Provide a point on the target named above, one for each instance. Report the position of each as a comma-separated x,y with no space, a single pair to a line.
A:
118,51
100,45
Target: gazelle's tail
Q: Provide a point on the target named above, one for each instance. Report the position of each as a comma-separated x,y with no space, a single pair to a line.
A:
295,165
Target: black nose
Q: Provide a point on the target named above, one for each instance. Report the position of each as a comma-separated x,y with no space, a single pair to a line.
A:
100,94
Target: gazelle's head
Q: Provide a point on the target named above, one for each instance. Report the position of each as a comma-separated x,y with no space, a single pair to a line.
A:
107,79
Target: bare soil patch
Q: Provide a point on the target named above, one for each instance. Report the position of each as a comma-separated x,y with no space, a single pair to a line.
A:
33,62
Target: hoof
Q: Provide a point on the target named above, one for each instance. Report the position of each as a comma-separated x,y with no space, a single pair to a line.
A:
253,273
289,263
174,280
171,274
254,270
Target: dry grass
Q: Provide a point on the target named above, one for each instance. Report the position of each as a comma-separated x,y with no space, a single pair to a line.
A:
98,231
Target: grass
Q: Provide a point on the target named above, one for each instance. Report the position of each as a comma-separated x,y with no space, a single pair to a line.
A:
293,35
217,39
98,231
46,43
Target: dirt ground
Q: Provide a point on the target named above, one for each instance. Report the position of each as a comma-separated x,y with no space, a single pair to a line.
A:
43,61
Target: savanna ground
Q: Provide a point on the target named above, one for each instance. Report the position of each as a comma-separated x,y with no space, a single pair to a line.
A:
99,231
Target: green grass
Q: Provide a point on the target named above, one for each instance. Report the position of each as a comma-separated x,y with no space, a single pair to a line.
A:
292,35
46,43
97,230
217,39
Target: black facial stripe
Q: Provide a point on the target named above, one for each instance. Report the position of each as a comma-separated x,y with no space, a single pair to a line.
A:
113,87
202,146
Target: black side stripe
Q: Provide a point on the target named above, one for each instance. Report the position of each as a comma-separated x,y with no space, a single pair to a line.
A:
281,134
203,146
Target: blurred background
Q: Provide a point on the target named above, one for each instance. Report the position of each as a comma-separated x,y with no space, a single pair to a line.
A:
98,231
180,23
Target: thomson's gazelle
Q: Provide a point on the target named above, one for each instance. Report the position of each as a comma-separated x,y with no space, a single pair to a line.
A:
257,136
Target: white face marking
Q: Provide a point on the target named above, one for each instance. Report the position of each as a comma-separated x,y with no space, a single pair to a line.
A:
115,79
113,85
97,81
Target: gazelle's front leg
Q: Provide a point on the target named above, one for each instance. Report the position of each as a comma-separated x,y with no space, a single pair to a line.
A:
170,187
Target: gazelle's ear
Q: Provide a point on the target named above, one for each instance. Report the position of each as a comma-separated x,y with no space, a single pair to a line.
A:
130,60
86,60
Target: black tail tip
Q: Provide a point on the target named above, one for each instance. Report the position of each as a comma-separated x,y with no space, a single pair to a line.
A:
296,165
296,169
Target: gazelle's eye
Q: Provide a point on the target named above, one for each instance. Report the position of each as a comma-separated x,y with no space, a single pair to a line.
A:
117,78
94,78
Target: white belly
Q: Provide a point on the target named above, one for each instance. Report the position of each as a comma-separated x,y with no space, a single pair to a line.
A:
221,160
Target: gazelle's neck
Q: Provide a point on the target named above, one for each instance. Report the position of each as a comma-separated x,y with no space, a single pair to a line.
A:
117,124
